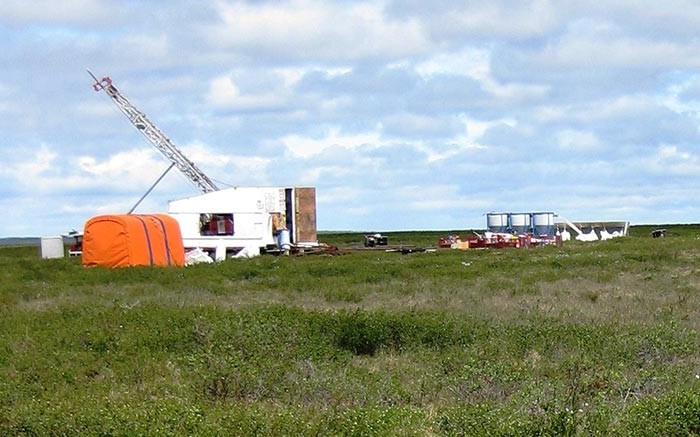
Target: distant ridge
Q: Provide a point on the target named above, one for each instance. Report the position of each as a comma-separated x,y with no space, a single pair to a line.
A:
20,241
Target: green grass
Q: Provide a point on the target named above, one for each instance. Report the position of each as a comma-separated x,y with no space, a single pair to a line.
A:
588,339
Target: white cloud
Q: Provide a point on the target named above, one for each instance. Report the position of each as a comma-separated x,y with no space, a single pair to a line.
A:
472,62
332,195
132,165
147,46
46,172
476,64
49,11
306,147
224,93
441,197
549,113
578,141
627,106
326,30
41,163
593,44
494,19
669,160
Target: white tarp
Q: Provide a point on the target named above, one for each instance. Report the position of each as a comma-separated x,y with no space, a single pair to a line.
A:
197,256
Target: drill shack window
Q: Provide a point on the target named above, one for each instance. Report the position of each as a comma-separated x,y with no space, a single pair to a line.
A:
216,224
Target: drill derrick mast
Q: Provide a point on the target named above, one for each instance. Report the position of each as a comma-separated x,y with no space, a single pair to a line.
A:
155,136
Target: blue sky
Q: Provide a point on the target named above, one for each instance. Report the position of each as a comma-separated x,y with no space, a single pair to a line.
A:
403,114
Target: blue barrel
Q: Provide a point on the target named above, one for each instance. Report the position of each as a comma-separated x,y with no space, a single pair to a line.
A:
283,240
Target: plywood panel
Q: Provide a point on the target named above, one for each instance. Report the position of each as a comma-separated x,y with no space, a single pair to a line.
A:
305,215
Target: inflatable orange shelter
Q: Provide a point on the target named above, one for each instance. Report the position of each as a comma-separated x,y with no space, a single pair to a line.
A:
133,240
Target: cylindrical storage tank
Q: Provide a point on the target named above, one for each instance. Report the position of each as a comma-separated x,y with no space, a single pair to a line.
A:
497,222
520,223
543,223
284,241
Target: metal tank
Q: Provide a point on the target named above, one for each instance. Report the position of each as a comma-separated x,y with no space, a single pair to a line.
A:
497,222
520,223
543,223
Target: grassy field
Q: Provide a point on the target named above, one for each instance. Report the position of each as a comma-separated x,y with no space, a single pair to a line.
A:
587,339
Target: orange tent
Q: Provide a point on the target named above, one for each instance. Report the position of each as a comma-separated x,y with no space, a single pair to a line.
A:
133,240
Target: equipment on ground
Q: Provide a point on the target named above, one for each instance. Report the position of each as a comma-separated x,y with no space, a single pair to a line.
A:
76,248
658,233
372,240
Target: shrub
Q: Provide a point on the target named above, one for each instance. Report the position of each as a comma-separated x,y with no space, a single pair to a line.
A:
672,414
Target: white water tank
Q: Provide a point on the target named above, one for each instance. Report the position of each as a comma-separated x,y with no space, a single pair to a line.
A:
497,222
543,223
520,223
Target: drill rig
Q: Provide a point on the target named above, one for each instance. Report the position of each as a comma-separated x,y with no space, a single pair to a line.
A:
266,217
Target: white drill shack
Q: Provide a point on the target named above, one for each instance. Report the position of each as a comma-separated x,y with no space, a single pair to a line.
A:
253,219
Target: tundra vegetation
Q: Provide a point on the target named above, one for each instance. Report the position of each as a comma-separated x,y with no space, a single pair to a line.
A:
585,339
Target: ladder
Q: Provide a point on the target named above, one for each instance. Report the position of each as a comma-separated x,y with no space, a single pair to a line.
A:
155,135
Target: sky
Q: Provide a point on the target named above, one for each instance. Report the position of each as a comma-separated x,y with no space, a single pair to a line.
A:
405,115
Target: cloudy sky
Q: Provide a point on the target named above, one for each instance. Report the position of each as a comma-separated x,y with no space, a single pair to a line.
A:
404,114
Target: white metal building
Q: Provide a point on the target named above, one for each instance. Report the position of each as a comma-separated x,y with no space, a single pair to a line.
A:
256,219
